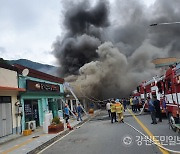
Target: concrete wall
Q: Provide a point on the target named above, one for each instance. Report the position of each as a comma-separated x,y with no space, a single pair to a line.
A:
8,78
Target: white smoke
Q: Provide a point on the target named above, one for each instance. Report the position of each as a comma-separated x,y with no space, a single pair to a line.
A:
114,74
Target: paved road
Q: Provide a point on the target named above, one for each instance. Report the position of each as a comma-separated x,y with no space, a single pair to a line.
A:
99,136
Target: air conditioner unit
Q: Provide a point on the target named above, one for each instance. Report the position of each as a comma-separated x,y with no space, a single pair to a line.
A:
31,125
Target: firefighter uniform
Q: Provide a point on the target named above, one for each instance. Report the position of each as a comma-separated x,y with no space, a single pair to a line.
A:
119,111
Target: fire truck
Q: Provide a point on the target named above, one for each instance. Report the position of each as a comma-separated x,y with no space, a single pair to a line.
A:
171,89
166,87
153,87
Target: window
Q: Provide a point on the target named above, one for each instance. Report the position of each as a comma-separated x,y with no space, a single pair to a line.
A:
5,99
60,104
169,84
159,87
138,89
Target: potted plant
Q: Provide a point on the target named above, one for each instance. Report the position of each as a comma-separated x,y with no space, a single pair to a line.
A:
56,126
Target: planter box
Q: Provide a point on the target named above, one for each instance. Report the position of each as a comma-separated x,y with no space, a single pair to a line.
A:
52,129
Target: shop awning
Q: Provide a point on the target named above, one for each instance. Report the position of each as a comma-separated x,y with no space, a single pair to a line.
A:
12,88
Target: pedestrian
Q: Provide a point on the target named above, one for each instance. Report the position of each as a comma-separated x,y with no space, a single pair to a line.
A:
108,108
152,110
138,104
134,105
119,111
164,105
79,110
124,103
157,108
113,111
66,113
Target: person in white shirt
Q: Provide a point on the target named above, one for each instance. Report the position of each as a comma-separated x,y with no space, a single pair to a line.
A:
108,108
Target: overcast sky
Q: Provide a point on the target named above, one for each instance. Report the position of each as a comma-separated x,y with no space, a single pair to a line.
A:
29,28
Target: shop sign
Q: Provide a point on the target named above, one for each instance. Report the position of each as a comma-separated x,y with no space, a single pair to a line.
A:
41,86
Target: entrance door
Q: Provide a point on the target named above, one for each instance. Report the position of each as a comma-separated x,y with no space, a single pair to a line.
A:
5,119
35,112
31,111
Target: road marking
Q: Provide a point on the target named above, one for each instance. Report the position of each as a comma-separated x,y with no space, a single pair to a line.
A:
149,133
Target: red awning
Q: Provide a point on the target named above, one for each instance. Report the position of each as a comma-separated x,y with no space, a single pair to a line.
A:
12,88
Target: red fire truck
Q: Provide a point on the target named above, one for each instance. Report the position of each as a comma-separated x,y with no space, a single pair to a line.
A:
166,87
153,87
171,89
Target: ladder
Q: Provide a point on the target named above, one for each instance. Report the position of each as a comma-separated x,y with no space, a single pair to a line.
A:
67,85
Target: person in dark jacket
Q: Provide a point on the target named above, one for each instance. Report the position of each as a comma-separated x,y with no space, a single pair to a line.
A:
79,110
152,110
66,113
124,103
157,108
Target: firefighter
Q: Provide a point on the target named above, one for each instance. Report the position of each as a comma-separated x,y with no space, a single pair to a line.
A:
119,111
131,103
113,111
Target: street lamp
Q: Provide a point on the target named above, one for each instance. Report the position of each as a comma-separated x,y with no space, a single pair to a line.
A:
166,23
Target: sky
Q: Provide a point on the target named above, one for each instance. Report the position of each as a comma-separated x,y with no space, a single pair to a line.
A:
29,28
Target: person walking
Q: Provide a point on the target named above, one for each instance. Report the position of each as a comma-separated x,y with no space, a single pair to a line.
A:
66,113
79,110
157,108
108,108
119,111
113,111
152,110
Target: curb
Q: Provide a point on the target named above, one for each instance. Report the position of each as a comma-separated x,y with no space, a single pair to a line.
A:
61,134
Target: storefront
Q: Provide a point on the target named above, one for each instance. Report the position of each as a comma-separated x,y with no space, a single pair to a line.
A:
44,94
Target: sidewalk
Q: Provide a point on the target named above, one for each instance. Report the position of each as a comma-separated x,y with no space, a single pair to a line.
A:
18,144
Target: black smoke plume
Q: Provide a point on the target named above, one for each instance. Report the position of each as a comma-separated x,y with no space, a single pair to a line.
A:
108,47
84,25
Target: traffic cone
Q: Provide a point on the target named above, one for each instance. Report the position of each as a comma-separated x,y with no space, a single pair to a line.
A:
69,126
